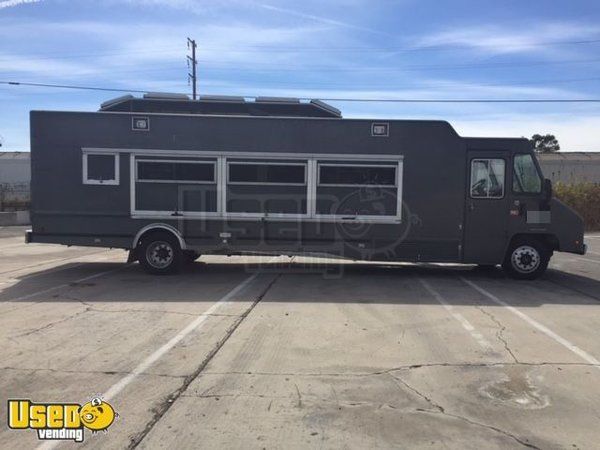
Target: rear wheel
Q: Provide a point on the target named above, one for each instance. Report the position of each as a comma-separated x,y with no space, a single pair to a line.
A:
160,254
526,259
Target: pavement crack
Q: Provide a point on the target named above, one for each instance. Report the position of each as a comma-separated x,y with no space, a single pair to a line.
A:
155,311
404,368
500,332
299,396
51,324
162,408
436,408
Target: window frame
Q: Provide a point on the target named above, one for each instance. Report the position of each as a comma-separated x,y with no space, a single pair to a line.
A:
175,161
114,182
265,163
311,159
327,164
471,178
537,169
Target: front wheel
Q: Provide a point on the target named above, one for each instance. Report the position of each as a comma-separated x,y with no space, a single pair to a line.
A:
160,254
526,259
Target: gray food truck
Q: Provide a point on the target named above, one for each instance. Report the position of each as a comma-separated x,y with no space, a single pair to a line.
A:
171,179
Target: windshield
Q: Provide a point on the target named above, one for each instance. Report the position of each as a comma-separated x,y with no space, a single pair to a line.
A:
526,178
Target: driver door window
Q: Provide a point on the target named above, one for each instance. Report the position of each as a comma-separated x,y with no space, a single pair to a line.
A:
487,178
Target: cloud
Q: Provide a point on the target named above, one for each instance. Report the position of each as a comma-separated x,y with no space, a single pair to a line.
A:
316,18
493,39
10,3
575,133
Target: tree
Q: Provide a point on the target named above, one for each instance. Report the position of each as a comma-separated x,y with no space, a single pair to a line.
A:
545,144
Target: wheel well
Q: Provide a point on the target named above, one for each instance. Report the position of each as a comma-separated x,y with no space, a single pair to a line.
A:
549,240
158,228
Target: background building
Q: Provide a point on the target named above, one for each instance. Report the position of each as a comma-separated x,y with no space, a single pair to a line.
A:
15,177
571,167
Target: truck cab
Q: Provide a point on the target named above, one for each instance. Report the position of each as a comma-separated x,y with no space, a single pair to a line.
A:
511,217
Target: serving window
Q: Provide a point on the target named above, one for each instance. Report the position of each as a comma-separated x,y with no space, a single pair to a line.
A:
291,174
176,186
267,188
356,175
101,168
176,171
355,190
283,185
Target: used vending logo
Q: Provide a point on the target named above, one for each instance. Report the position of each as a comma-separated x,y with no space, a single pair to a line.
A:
61,421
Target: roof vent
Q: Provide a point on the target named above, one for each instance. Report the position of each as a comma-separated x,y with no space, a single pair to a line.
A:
327,107
114,101
165,96
222,98
277,100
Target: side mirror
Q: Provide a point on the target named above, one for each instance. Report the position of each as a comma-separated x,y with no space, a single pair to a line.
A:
547,190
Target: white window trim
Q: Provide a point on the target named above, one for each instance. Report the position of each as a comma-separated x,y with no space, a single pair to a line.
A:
266,163
392,166
487,197
212,162
86,180
312,161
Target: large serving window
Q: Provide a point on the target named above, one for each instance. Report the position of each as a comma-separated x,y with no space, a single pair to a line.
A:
175,186
267,187
353,189
282,186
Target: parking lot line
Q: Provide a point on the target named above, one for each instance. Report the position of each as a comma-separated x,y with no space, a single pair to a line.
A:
463,321
195,325
534,323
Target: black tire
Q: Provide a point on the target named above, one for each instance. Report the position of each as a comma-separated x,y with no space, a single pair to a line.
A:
160,254
189,256
526,259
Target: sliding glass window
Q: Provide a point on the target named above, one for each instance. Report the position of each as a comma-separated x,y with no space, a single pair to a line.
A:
176,185
357,190
267,187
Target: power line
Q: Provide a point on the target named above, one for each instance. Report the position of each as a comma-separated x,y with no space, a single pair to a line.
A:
337,99
210,66
277,49
68,86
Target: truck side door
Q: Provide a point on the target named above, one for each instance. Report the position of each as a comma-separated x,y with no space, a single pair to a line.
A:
487,207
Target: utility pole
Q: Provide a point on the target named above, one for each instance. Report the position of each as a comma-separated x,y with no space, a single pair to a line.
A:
191,43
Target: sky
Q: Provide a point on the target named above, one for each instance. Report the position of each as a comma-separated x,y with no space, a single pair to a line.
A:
384,49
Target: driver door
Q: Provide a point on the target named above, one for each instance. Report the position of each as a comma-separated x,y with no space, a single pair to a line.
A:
487,207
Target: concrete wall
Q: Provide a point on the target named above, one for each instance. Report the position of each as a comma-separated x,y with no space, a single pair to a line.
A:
15,178
571,167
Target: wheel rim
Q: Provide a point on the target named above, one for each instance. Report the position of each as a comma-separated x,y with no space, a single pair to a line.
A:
525,259
160,254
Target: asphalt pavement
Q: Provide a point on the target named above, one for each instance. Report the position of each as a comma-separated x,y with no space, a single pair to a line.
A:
248,352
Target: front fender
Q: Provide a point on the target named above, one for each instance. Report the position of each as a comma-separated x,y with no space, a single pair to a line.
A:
568,227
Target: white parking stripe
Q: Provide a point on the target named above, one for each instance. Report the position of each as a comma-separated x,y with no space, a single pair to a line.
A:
534,323
587,259
195,325
463,321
